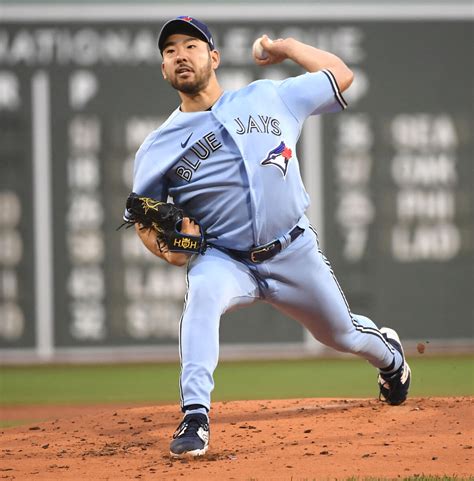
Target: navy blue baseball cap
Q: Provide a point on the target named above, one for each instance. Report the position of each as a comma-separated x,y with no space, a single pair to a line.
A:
188,25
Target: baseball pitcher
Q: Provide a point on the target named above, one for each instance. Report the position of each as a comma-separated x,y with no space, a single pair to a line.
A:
237,221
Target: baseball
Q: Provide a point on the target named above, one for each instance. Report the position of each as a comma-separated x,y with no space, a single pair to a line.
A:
258,51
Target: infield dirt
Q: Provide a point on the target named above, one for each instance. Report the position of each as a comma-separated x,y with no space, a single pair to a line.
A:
302,439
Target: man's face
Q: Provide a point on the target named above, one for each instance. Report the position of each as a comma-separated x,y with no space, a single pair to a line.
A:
188,64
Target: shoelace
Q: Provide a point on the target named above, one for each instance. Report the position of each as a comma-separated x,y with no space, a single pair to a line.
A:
187,428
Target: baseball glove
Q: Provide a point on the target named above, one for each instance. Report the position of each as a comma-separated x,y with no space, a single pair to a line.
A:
165,219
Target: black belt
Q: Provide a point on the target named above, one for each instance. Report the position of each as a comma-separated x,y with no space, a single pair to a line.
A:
266,251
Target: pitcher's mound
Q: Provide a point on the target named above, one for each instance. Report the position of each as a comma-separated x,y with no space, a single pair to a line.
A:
302,439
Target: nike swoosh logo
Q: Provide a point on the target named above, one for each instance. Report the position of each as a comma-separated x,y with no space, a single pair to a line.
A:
183,144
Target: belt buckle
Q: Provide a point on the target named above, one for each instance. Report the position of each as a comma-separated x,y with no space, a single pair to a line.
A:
258,250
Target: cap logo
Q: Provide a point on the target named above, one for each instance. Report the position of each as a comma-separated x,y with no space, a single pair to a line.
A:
187,19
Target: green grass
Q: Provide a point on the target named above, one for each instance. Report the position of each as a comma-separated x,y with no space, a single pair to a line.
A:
158,383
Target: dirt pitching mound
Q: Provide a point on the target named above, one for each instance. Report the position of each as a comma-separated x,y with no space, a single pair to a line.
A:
302,439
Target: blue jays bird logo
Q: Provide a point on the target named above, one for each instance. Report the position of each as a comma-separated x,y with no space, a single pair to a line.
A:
279,156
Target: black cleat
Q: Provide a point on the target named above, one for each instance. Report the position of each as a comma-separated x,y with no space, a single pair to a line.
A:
192,437
394,386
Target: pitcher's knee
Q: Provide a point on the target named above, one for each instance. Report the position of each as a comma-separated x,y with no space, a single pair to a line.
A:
346,342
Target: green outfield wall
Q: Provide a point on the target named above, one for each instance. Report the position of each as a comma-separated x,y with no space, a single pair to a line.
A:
391,179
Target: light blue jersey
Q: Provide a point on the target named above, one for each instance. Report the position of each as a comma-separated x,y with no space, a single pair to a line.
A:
234,168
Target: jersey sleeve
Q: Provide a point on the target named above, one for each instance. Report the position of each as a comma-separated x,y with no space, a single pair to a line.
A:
148,180
311,94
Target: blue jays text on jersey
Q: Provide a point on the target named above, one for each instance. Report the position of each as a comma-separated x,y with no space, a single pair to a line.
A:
263,125
234,167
